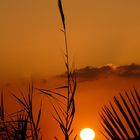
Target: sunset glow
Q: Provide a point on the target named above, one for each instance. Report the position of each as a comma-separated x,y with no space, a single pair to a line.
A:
87,134
65,63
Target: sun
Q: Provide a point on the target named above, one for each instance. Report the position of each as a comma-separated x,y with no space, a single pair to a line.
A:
87,134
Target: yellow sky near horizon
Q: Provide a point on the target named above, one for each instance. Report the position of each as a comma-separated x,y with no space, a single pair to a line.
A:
99,32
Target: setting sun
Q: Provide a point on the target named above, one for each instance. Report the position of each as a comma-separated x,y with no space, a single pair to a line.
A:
87,134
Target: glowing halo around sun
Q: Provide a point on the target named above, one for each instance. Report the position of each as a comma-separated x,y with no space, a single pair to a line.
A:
87,134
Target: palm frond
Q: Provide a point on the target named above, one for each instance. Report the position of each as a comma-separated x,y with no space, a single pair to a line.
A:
119,126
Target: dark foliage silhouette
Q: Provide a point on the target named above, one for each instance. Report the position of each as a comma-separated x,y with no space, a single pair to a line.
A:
122,122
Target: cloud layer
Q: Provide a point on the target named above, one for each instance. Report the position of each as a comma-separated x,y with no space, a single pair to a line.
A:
93,73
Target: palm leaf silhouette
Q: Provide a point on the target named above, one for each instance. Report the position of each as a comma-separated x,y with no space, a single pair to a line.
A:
121,121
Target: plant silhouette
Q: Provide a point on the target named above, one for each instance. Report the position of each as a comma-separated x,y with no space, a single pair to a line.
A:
127,111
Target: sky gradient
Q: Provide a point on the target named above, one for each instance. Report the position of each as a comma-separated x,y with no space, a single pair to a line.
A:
104,44
99,33
94,89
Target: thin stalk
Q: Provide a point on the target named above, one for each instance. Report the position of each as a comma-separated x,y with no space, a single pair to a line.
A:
70,107
68,77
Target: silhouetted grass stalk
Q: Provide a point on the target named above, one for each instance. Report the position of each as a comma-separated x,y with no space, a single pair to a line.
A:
27,104
71,81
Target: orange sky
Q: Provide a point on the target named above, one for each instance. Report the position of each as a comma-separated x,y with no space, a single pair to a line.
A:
91,95
99,32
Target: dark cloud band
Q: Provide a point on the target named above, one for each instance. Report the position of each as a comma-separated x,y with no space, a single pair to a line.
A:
93,73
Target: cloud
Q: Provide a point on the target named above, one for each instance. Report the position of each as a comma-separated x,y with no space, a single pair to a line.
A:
94,73
132,70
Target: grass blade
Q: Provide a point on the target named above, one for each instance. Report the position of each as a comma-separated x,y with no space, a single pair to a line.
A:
61,13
